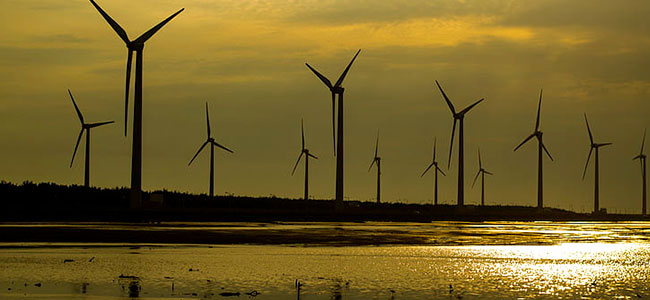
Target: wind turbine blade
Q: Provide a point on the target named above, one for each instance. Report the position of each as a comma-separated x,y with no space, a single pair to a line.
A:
638,157
451,145
539,108
441,172
81,117
525,140
93,125
643,141
377,144
591,137
434,149
147,35
129,61
427,169
476,177
197,152
322,78
312,156
471,106
604,144
480,166
118,29
76,146
486,172
302,131
372,163
222,147
298,161
340,81
587,164
451,106
546,150
333,122
207,118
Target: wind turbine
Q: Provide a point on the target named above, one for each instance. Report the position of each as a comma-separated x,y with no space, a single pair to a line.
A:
458,117
136,46
592,147
641,157
481,172
337,89
540,146
437,169
377,160
212,143
84,127
304,151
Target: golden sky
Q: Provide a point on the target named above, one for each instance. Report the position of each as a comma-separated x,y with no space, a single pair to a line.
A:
246,59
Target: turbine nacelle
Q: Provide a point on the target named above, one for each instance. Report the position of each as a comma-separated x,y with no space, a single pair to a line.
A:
337,90
133,46
598,145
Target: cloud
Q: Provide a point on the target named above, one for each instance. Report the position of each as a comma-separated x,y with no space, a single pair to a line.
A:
622,17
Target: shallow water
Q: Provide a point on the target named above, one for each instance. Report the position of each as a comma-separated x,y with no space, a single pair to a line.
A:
498,260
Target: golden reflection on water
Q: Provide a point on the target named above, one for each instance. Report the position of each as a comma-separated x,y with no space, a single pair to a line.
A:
588,270
493,260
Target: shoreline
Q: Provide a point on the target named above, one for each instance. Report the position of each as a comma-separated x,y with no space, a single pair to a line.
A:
328,234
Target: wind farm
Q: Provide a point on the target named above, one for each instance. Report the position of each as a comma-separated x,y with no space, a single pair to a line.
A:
158,217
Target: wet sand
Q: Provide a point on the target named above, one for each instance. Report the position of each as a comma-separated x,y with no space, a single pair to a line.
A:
332,233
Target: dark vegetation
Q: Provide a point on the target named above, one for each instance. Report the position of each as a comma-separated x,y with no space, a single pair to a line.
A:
52,202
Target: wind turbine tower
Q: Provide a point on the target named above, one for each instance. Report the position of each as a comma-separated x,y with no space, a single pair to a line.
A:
482,172
304,151
337,89
540,146
136,46
458,117
84,127
212,143
641,157
434,163
596,169
377,160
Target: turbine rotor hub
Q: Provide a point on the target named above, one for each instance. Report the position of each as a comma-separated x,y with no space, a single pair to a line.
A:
337,89
135,46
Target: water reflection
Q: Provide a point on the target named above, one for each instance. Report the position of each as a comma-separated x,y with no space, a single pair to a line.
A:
130,285
595,268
